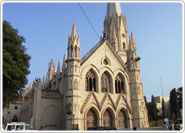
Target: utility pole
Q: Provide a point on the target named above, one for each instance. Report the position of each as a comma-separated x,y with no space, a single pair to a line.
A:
163,102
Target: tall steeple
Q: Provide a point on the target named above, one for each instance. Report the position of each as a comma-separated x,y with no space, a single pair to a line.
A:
116,28
74,33
113,9
72,96
73,44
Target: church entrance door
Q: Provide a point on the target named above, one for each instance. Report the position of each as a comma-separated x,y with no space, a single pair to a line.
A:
107,119
91,120
122,121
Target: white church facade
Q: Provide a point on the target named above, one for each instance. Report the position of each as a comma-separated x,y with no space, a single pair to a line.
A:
103,88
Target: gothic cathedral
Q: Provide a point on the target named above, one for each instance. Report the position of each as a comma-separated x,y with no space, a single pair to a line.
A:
103,88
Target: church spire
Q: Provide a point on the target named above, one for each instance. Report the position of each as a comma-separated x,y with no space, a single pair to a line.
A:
132,42
116,27
74,33
113,9
73,44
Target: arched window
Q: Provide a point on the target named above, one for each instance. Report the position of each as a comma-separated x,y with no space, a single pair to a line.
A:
90,81
105,62
72,52
106,82
75,51
15,107
15,119
119,84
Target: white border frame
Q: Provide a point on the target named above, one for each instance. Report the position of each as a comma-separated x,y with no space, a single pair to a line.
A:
94,1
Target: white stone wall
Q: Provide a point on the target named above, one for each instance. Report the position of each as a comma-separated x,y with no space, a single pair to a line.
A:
11,111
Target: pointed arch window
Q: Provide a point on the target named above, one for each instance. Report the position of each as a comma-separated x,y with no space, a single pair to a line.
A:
75,51
106,82
72,52
91,81
119,84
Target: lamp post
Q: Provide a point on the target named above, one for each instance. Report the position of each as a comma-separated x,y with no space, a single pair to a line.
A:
126,67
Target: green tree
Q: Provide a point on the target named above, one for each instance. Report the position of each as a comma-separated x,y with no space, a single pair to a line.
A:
164,115
174,103
152,110
179,97
15,64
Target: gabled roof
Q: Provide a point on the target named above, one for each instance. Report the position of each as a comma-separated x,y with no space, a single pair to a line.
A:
92,50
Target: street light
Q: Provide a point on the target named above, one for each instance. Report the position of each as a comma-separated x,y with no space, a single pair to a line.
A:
126,67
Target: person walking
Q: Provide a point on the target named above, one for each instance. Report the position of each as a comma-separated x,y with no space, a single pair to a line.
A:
41,128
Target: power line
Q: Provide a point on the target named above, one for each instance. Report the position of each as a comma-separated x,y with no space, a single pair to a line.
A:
151,82
154,84
88,20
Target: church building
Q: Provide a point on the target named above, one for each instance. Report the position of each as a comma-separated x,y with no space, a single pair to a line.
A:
103,88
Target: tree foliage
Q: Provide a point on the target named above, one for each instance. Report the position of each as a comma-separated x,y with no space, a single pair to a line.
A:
152,109
164,109
15,64
174,103
179,97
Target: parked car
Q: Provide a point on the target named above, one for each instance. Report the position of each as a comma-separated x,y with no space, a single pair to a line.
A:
101,128
16,126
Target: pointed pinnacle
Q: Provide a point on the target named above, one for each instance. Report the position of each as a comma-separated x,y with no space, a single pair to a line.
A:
132,37
58,69
113,9
73,33
63,65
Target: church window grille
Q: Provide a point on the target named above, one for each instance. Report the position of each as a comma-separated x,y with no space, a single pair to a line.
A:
119,84
90,81
106,82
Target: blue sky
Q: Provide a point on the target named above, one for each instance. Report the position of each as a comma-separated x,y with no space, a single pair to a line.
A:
157,29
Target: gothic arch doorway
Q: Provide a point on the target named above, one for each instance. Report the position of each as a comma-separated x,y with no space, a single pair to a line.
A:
107,119
91,119
122,119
